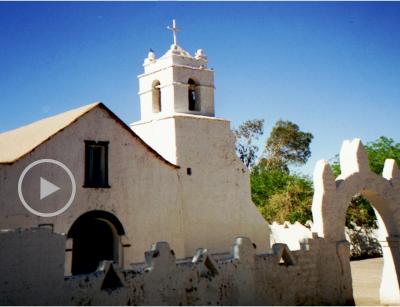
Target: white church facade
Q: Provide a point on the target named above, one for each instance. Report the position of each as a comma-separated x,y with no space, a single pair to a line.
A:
172,176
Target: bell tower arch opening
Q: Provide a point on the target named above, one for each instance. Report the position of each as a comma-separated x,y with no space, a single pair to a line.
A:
156,91
193,96
95,237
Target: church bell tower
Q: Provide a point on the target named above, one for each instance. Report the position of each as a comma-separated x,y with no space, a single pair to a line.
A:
176,101
177,120
177,82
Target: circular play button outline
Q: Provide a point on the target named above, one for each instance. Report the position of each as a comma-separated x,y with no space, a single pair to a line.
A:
21,179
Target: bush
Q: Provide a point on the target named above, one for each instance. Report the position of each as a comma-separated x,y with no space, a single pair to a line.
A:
280,196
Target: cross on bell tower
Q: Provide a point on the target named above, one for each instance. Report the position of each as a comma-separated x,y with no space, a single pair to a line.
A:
174,30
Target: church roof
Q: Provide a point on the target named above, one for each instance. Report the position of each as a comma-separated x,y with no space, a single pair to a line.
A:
17,143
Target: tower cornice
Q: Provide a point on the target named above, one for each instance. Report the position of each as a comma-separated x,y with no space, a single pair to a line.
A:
174,66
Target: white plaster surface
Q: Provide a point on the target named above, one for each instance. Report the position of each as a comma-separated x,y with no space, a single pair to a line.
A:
332,198
290,234
216,196
241,277
148,209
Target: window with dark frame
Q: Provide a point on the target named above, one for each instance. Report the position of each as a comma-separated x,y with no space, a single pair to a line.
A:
96,164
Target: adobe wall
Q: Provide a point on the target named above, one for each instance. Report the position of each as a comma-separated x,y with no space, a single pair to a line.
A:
147,207
311,276
154,201
332,197
216,196
364,242
31,266
219,185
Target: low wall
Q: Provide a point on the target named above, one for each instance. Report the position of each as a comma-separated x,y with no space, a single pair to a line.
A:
31,266
31,272
364,242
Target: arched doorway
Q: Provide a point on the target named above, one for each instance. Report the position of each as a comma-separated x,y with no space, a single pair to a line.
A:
366,261
95,236
330,203
388,237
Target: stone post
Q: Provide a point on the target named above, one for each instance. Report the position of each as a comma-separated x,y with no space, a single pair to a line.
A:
389,290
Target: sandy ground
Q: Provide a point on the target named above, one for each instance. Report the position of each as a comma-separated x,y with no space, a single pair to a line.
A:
366,280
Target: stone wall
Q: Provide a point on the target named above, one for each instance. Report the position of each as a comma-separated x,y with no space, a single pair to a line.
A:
290,234
364,242
217,183
31,266
333,195
31,272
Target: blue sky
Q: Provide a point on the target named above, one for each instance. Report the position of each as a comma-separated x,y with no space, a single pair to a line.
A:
331,67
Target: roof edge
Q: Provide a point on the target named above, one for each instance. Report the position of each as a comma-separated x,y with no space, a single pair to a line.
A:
124,125
91,107
94,105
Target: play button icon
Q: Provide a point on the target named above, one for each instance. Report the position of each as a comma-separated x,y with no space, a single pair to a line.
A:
47,188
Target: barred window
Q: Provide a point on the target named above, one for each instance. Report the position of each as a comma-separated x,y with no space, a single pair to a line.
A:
96,164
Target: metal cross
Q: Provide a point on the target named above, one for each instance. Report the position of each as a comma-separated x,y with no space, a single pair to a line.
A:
174,29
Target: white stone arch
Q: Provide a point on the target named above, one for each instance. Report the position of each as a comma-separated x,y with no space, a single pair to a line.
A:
332,197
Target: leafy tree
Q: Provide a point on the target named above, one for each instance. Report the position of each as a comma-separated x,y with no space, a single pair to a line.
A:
380,150
266,182
360,211
246,134
290,203
335,166
278,194
287,144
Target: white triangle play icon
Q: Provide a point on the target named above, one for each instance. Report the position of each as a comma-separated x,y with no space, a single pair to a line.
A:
47,188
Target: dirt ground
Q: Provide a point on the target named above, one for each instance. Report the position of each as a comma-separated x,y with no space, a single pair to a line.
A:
366,280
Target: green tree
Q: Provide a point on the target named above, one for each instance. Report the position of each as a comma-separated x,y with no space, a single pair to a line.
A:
381,149
291,202
246,134
286,145
277,193
266,182
360,211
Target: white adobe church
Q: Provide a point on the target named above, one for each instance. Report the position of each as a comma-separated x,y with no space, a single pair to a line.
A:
172,176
